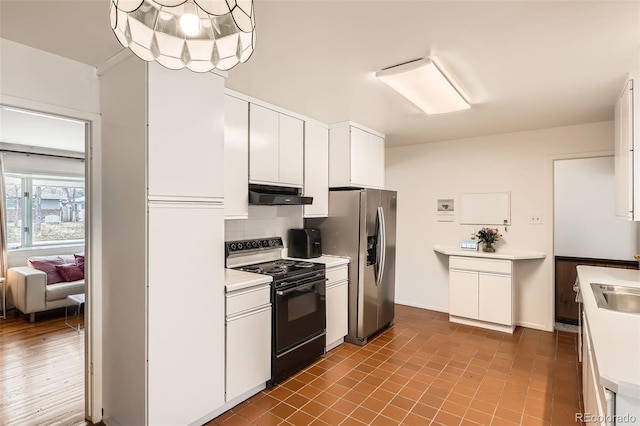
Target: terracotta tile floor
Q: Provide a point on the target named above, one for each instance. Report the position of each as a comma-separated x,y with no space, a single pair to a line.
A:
425,370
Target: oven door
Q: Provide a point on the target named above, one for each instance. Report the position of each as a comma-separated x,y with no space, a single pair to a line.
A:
300,311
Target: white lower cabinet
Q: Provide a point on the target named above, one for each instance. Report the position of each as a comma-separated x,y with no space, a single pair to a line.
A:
185,369
598,400
481,293
337,306
463,293
248,348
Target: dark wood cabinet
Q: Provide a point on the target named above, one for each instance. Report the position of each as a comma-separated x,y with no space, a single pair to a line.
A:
566,306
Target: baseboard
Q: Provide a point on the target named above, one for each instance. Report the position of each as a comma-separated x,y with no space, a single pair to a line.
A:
229,405
534,326
421,306
483,324
333,345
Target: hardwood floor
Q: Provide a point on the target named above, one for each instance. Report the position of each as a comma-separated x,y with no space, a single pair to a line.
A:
41,371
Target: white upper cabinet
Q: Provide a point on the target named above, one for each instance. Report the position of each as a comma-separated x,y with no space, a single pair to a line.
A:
376,160
186,134
263,144
356,157
291,149
316,169
236,158
627,157
275,147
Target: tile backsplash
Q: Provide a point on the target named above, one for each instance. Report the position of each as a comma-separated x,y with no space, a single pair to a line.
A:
265,221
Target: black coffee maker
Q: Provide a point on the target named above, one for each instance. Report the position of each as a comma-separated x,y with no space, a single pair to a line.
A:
305,243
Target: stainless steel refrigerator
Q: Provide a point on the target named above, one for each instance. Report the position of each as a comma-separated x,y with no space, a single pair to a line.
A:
362,226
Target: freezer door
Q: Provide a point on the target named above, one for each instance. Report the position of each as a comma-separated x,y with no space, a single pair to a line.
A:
387,284
368,304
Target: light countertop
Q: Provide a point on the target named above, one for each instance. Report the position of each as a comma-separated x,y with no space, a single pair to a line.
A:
329,261
615,335
237,280
499,253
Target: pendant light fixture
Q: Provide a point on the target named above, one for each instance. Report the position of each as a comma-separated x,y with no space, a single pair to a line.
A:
196,34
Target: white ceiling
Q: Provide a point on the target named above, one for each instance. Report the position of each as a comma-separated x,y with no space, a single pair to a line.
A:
524,64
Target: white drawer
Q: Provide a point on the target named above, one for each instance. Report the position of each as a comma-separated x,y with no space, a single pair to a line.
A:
340,273
497,266
248,298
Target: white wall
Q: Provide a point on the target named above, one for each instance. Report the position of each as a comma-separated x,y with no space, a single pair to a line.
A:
518,162
585,224
40,76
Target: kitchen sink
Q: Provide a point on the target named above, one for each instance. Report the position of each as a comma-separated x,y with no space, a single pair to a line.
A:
617,298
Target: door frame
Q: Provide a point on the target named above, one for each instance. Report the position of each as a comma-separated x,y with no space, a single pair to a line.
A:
93,245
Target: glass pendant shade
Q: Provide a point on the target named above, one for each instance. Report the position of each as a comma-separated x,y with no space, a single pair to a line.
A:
196,34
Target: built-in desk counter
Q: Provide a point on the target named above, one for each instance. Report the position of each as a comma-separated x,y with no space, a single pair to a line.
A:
481,286
501,254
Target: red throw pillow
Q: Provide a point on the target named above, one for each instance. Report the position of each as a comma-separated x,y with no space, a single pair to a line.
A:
79,261
70,272
48,266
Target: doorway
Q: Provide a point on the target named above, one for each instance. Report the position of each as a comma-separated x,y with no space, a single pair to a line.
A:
586,230
33,135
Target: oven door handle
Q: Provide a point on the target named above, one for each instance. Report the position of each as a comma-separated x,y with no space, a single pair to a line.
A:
305,286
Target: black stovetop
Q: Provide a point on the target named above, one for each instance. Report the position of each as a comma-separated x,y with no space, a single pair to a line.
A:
284,268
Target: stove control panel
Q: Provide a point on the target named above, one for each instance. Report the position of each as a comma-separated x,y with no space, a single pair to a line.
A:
243,246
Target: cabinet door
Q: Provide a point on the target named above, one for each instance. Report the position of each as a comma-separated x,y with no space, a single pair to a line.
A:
316,169
185,359
291,149
463,294
494,298
624,153
236,158
186,133
337,312
376,161
359,160
263,144
248,352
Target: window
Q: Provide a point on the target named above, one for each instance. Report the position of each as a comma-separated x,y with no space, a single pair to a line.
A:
44,210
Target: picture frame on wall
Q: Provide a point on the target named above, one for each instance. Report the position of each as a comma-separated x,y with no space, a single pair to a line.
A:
446,210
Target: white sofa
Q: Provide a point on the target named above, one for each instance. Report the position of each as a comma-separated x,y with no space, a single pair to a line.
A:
28,291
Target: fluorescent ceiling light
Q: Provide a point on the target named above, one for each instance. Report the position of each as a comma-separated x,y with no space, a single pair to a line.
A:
423,83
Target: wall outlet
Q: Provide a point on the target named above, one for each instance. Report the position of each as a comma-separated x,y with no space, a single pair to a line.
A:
535,219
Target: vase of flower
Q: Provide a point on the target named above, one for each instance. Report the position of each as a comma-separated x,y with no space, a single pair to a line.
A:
488,236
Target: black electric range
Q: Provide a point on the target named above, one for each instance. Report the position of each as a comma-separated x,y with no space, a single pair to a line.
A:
298,302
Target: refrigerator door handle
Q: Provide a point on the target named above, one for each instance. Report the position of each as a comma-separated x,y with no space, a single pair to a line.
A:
383,245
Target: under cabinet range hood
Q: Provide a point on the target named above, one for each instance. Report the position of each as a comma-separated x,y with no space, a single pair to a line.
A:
267,195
